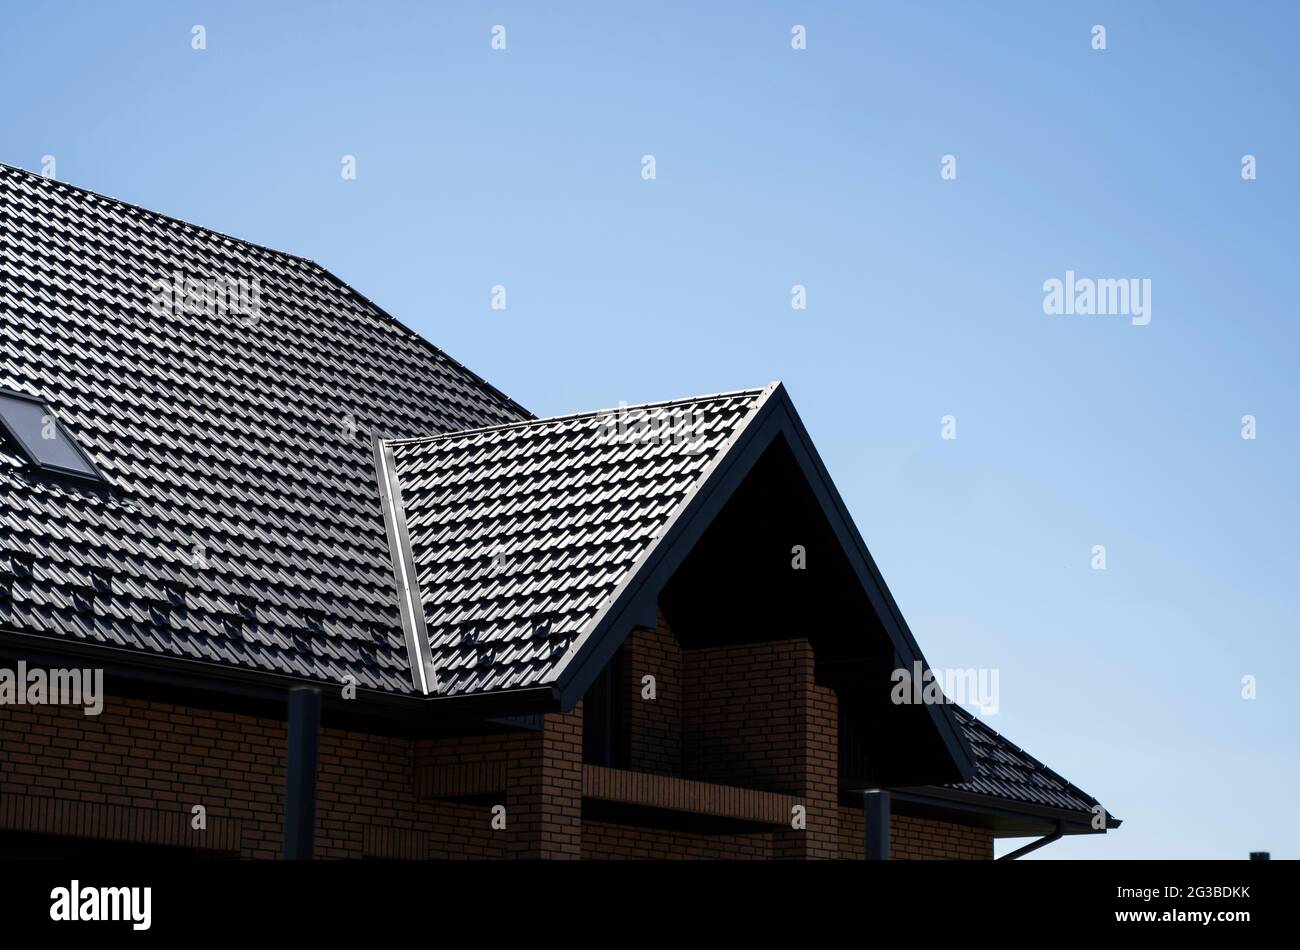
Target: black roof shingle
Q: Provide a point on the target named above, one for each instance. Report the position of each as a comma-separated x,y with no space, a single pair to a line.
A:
1006,772
520,534
241,506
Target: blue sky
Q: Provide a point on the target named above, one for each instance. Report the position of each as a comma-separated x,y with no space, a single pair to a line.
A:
821,167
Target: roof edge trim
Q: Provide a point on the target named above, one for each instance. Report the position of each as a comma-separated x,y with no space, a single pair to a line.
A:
410,604
586,414
1079,822
872,580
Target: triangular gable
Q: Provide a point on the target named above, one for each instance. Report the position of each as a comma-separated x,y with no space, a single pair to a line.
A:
455,495
511,541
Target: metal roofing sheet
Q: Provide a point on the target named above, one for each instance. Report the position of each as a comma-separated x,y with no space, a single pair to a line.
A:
520,534
1005,771
236,444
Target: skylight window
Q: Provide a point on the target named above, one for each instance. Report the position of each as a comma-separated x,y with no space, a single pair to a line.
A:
40,436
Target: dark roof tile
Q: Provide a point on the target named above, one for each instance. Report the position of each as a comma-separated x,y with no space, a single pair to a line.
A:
521,533
1007,772
237,450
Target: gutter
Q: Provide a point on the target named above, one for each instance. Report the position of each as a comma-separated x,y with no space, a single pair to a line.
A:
207,684
943,796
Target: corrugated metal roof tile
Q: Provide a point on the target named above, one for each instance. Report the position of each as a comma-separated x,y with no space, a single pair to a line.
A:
1002,770
571,503
238,451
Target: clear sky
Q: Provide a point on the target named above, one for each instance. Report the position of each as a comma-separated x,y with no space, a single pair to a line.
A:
822,167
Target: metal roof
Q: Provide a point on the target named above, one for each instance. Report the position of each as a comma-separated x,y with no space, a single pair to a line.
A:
1009,774
520,535
240,525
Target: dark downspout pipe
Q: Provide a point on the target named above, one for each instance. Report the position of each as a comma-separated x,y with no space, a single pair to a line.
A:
875,824
1035,845
300,777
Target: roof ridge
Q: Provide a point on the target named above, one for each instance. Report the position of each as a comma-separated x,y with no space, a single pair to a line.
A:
46,180
590,413
276,252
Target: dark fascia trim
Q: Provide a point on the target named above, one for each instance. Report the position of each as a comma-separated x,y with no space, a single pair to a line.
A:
98,478
1075,822
873,582
635,604
213,685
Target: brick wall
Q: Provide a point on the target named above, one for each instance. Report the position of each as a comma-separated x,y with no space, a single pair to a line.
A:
544,794
652,739
134,772
613,842
749,716
912,838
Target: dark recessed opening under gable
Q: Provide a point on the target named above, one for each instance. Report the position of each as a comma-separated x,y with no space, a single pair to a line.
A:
739,585
32,427
602,716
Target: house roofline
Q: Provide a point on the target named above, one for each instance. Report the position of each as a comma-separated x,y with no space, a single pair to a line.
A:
574,416
441,354
874,583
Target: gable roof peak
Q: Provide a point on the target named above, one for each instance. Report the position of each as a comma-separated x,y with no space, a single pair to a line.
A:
760,393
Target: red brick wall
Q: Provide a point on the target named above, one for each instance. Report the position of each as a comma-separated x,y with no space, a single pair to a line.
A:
148,763
756,718
544,794
744,715
608,841
912,838
652,739
751,716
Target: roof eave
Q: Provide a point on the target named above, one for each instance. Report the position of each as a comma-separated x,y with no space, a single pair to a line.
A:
1074,822
209,684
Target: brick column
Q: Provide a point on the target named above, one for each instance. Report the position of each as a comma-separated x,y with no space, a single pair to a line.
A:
756,718
652,729
544,791
816,722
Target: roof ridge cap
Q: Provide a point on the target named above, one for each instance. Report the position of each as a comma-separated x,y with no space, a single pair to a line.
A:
586,414
121,202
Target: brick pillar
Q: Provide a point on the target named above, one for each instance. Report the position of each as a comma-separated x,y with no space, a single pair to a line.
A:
756,718
816,763
652,729
544,791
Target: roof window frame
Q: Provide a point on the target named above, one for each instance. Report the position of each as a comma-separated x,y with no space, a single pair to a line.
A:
94,476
